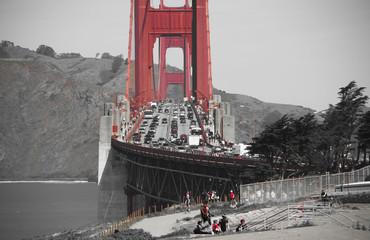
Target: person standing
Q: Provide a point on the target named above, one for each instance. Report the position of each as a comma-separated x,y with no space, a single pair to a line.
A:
205,214
232,197
187,201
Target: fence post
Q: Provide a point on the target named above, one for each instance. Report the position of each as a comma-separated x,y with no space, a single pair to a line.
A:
288,217
148,211
155,209
161,209
168,208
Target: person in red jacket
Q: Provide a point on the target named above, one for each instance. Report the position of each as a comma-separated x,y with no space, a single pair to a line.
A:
215,227
232,197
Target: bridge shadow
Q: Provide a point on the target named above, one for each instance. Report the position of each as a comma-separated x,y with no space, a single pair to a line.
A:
112,204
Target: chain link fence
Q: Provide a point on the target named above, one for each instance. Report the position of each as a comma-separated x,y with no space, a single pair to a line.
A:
291,189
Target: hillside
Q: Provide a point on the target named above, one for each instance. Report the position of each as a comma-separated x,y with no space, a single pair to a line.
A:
50,123
51,110
242,107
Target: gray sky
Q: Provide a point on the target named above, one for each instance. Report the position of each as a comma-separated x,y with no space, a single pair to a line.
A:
283,51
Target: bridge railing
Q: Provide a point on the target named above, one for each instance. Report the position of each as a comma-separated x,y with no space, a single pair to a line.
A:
291,189
134,127
191,157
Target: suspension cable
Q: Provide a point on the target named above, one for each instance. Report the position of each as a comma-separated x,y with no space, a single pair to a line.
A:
209,55
129,53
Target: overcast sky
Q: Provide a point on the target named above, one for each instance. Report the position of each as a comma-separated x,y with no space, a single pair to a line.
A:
282,51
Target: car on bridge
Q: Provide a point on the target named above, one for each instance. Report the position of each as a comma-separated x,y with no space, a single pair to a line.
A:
179,141
137,141
161,140
196,131
181,149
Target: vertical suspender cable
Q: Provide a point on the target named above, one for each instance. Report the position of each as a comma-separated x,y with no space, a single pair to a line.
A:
209,55
129,52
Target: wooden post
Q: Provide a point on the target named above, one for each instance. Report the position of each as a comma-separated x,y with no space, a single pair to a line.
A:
161,209
174,207
181,207
155,209
168,208
149,211
143,212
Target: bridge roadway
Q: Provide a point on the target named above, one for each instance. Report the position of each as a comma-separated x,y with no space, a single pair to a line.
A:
170,112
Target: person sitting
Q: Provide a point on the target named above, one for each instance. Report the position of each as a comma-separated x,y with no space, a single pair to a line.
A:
215,227
224,223
205,214
242,226
324,196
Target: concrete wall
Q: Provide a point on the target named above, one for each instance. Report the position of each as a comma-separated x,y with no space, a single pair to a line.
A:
107,106
226,108
217,98
104,143
113,201
217,120
228,128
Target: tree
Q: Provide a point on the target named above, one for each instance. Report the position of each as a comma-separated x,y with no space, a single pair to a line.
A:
117,62
363,135
106,56
340,124
289,143
46,50
69,55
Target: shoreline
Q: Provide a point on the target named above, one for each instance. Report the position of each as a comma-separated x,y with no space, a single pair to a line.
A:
46,181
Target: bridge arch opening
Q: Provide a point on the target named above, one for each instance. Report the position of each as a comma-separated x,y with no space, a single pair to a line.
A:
169,3
174,58
175,92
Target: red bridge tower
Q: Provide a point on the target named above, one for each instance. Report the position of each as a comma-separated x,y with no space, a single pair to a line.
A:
185,27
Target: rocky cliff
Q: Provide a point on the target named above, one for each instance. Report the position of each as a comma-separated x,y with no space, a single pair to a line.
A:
49,122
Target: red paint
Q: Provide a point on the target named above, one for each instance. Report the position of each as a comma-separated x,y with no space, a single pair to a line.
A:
170,24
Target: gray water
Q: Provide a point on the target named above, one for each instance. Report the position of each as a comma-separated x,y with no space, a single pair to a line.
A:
35,209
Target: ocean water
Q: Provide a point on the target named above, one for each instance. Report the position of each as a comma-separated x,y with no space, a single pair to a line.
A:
29,209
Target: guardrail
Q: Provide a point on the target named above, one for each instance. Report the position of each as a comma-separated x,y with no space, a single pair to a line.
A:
189,157
291,189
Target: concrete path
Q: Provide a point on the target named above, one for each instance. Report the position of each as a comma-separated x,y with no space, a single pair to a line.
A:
163,225
326,231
